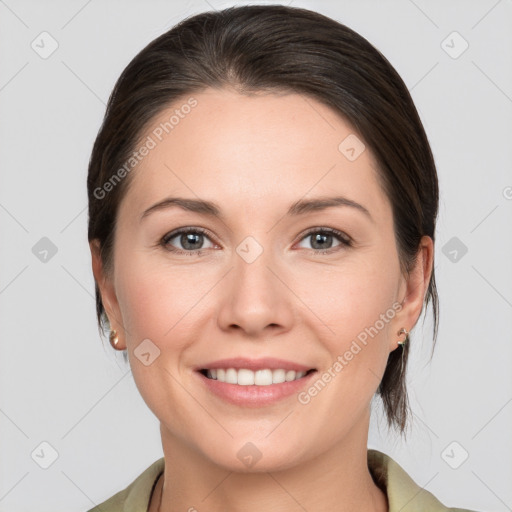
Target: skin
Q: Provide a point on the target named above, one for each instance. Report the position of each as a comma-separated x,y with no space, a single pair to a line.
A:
254,156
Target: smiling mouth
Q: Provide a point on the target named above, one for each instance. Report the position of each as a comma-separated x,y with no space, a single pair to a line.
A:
246,377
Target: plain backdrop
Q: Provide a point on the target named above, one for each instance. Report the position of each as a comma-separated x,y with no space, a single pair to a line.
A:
68,402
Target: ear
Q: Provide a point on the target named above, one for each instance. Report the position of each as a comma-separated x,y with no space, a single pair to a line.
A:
107,292
413,289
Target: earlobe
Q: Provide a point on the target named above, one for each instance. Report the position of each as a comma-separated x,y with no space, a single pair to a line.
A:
108,295
416,287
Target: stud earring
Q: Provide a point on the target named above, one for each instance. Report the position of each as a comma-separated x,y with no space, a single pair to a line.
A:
114,339
406,339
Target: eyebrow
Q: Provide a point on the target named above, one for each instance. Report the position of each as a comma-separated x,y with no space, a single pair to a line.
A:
300,207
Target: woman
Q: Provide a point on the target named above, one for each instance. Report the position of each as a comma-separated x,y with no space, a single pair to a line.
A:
262,210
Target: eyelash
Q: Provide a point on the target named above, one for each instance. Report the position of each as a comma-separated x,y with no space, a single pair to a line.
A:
345,240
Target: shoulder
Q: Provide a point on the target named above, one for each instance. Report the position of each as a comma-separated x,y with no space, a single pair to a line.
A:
135,497
403,493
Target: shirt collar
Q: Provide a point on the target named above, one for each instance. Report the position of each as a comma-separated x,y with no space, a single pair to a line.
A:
403,494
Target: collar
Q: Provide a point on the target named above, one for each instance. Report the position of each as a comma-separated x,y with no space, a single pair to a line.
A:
404,495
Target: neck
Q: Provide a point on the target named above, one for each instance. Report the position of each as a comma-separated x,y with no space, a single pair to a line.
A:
338,479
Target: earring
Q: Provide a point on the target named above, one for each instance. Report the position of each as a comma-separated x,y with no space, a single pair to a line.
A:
406,339
114,339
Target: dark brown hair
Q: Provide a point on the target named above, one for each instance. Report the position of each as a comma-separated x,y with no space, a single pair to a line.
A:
286,50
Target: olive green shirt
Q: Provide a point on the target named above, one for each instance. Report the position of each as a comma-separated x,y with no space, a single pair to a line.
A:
403,494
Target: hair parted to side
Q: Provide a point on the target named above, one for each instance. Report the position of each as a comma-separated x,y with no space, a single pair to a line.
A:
283,50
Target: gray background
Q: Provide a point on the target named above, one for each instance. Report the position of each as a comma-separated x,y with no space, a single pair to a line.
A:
61,384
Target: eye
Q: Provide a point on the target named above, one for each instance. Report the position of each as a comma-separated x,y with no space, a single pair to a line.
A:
322,239
190,239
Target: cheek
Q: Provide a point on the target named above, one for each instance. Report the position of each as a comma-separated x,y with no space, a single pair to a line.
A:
355,305
352,298
155,301
157,305
357,308
143,303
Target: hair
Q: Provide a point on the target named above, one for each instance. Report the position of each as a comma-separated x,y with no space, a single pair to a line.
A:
278,49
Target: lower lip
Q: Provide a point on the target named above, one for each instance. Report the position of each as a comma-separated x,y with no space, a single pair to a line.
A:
255,396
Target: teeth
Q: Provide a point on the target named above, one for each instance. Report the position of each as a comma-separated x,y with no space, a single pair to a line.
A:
244,377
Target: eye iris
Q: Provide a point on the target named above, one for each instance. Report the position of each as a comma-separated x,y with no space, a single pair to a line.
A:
187,240
321,237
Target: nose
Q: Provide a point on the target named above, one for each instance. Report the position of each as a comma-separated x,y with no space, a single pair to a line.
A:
255,298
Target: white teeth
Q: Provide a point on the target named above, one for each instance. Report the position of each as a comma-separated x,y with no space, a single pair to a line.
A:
263,377
231,376
245,377
278,376
290,375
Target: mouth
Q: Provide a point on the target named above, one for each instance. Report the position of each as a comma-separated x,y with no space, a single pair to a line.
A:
247,382
261,377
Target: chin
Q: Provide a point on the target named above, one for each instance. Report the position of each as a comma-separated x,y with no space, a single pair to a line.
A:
254,457
263,465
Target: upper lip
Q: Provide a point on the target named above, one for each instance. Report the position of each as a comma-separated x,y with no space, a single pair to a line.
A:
254,364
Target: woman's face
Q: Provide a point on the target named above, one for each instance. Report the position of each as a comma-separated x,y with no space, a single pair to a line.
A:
266,279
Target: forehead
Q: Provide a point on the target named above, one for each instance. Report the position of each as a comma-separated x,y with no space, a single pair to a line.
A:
266,148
